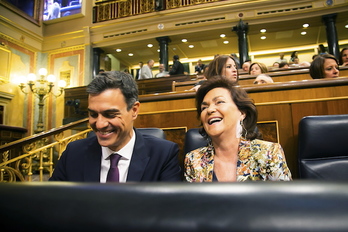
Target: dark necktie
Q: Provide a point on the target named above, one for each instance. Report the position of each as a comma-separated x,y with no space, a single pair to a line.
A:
113,174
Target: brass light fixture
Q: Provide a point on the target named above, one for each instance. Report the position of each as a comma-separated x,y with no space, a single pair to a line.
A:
41,87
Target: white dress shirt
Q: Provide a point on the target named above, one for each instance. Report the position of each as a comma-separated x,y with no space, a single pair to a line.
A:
123,165
146,72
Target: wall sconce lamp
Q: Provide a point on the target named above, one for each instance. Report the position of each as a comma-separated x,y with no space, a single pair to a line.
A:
41,87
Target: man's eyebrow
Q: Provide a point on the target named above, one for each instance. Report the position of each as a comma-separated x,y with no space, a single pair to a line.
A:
106,111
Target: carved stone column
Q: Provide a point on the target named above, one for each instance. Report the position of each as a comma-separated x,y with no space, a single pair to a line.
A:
96,60
331,34
163,56
242,31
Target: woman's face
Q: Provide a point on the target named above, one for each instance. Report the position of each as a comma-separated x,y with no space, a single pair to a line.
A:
220,114
330,68
230,70
345,56
255,70
276,64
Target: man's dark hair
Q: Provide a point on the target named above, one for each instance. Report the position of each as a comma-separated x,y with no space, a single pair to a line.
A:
115,80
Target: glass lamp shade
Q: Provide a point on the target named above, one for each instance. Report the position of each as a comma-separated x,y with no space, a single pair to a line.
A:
61,83
31,77
51,78
42,72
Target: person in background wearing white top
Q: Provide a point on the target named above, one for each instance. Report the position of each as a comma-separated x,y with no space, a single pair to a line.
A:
146,72
163,72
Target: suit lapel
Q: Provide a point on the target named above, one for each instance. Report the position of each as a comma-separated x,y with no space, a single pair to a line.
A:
92,161
140,158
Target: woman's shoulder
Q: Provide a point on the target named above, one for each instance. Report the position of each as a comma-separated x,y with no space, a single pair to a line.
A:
264,144
259,141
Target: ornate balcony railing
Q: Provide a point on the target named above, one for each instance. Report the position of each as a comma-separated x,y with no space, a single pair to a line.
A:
110,10
39,151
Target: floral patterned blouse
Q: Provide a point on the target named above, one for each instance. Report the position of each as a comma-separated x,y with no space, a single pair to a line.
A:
258,160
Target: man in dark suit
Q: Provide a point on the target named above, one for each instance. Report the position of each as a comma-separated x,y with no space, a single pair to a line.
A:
178,67
113,106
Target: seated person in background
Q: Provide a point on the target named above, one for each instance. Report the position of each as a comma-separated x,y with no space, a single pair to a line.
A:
199,68
113,106
324,66
257,68
263,79
275,65
293,57
233,154
314,56
283,65
304,64
344,57
281,58
162,71
246,65
223,65
295,63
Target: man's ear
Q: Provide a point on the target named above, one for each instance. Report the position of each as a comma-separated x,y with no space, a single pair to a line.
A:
135,110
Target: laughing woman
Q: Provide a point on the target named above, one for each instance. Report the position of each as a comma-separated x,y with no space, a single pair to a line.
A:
233,154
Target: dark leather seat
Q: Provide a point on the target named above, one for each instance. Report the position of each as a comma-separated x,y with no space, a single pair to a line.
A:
194,140
157,132
203,207
323,147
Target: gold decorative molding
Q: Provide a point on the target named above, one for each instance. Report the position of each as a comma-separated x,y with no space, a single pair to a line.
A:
66,49
18,42
5,63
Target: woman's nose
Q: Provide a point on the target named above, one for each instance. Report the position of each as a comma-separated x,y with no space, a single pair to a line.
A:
211,109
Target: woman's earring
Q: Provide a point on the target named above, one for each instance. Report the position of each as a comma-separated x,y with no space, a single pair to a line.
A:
246,132
239,129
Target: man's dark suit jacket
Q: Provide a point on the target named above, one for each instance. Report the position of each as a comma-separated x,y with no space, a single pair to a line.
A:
153,159
178,68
